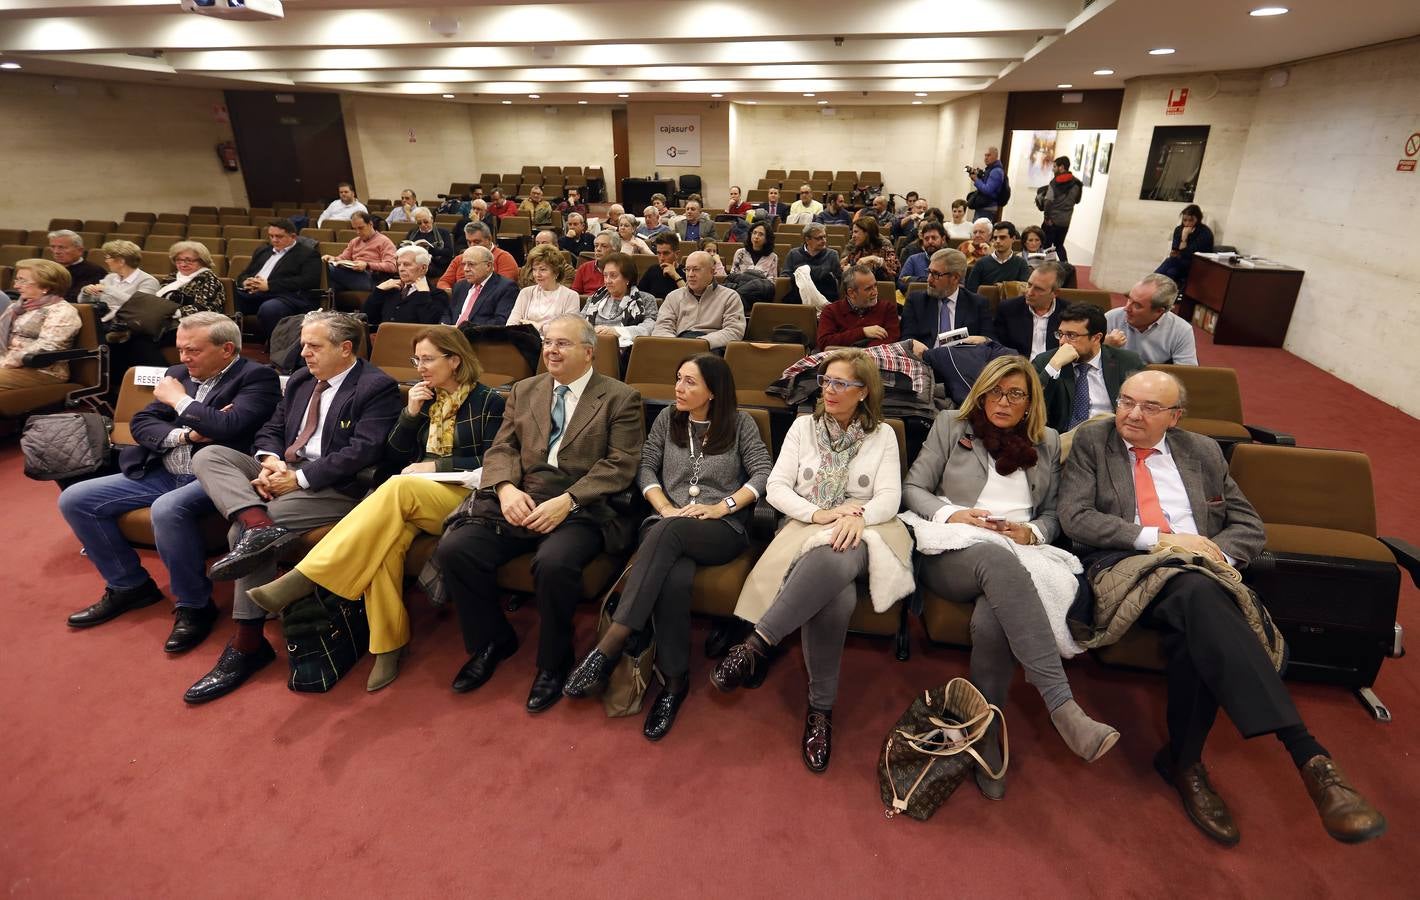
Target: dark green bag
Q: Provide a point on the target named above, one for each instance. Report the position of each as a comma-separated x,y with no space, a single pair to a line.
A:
325,636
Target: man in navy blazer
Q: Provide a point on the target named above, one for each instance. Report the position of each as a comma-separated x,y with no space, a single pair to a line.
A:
305,473
1028,324
492,302
945,305
215,398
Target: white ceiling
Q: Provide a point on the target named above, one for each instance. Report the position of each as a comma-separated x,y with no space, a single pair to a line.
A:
888,52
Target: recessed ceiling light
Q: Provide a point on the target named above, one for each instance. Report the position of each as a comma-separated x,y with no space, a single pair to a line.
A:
1064,85
9,65
916,102
920,94
623,96
507,102
1161,51
752,102
581,103
823,103
448,96
534,96
717,95
1104,71
808,93
1262,11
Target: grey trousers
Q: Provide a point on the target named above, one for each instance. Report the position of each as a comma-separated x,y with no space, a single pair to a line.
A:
226,476
1008,624
818,596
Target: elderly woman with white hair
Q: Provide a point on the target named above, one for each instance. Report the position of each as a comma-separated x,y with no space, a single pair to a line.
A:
630,242
124,278
980,244
438,241
408,297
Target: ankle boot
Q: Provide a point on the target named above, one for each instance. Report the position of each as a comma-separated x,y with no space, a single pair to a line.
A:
385,670
281,593
1089,739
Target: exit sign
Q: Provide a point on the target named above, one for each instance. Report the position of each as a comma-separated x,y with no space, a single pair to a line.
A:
1067,126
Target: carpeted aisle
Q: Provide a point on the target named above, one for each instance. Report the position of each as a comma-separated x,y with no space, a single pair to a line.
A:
115,788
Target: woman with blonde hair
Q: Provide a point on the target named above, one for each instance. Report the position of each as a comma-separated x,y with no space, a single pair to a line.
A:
839,481
993,465
448,423
545,298
41,321
124,278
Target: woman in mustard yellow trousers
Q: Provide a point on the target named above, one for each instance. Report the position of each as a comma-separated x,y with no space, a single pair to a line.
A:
448,423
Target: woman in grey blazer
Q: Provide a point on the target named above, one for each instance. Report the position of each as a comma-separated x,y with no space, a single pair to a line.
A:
994,465
703,466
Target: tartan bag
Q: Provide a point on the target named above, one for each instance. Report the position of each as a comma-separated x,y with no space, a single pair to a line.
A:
929,752
325,636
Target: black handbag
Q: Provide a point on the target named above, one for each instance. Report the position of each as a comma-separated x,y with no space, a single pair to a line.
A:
147,314
325,636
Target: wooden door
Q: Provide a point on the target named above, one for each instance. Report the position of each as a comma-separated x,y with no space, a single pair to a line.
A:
619,145
292,146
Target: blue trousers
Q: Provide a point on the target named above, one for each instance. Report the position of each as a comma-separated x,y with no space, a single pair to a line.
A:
178,503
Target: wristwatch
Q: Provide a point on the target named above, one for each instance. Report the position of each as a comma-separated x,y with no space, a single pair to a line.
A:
730,502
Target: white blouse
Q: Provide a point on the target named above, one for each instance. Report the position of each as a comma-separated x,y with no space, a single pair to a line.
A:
536,306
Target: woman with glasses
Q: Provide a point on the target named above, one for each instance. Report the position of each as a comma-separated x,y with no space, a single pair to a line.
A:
193,286
994,465
447,424
124,278
547,297
41,321
838,479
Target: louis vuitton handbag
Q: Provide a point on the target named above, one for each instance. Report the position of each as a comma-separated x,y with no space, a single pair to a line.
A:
930,751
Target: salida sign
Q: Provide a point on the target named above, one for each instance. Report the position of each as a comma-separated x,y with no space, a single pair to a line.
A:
677,140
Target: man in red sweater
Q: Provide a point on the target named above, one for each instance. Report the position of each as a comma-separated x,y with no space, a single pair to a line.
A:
479,235
860,319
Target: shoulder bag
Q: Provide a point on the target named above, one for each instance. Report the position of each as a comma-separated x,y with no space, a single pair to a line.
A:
930,751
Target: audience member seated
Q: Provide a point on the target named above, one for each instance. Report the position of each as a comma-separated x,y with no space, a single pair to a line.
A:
860,319
576,241
280,279
40,321
712,247
544,238
330,426
658,200
368,254
803,210
696,225
980,244
124,278
194,287
448,422
838,480
343,207
478,212
1146,325
1004,264
700,307
1028,324
834,212
866,246
758,252
661,279
437,241
408,297
993,467
478,234
813,270
612,219
772,208
630,243
214,398
536,208
878,209
931,236
499,206
546,297
588,279
652,225
946,304
619,307
1138,485
1190,236
905,226
481,296
403,212
1033,248
67,248
703,501
552,499
736,206
958,226
572,204
1081,378
1057,200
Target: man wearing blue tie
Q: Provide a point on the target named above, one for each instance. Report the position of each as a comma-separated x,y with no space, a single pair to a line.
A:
946,304
1081,377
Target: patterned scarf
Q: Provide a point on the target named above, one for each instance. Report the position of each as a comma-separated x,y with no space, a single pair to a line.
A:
443,411
17,309
837,446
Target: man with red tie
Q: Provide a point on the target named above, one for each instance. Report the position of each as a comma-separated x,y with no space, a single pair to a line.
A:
1137,484
303,473
482,296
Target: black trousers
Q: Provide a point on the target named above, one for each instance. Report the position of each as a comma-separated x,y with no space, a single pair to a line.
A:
1214,659
272,308
469,556
660,582
1055,237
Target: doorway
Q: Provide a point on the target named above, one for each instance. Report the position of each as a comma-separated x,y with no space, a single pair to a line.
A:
292,146
621,163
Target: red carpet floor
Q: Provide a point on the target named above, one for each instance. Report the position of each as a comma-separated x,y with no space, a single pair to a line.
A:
116,789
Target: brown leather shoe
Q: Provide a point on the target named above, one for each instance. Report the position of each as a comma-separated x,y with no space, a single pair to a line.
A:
1346,815
1203,805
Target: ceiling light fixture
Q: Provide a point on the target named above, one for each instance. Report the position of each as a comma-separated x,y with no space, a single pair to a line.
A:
920,94
752,102
1161,51
916,102
507,102
623,96
581,103
823,103
1104,71
808,93
534,96
448,96
1264,11
1064,85
9,65
717,96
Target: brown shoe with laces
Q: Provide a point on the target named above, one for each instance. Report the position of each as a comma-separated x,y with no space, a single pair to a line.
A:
736,668
818,738
1204,807
1345,814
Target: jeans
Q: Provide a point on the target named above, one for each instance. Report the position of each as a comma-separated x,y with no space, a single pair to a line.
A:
178,504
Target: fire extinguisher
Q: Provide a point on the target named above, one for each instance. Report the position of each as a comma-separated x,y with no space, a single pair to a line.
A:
227,153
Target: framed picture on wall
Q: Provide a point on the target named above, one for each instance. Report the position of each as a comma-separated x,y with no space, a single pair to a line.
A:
1102,164
1174,163
1087,165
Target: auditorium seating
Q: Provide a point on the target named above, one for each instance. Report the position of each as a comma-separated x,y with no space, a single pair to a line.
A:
1215,407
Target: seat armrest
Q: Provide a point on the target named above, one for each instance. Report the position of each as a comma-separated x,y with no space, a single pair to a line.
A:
1264,435
764,522
49,358
1407,556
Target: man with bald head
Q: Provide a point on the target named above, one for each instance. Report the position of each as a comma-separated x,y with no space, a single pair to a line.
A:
701,308
1139,485
481,296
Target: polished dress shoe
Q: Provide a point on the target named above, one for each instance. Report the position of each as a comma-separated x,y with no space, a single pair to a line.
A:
818,738
546,690
590,676
191,625
232,670
661,716
736,668
254,548
1204,807
481,665
1345,814
115,603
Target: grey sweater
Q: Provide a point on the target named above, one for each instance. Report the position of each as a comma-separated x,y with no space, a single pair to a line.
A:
667,466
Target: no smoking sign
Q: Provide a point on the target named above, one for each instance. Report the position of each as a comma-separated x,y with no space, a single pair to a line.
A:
1412,147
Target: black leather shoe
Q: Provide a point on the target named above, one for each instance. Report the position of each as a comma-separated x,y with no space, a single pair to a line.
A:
818,738
661,716
232,670
115,603
191,625
255,547
481,665
546,690
589,678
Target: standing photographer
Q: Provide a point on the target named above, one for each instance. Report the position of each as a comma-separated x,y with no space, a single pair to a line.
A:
990,184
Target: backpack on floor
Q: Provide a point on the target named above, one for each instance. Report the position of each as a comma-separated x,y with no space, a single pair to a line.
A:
325,636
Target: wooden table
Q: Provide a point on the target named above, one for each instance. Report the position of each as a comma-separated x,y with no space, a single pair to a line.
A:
1251,306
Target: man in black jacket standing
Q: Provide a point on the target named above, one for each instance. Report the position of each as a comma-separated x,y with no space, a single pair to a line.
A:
280,279
1057,200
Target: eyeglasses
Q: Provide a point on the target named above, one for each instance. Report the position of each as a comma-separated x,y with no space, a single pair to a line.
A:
418,361
187,259
838,385
933,273
1069,335
562,345
1148,407
20,279
1015,396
